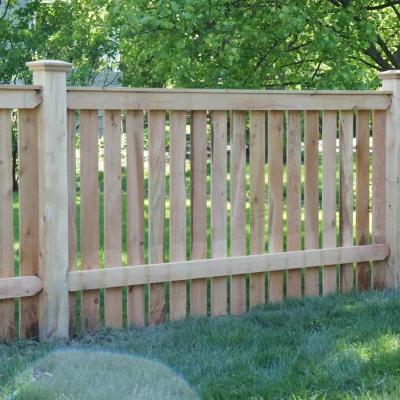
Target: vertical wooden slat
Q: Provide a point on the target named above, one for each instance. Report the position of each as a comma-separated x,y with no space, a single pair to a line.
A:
28,179
275,198
198,207
89,190
257,201
293,193
329,125
7,322
378,192
112,212
177,209
346,194
135,210
156,210
238,206
362,195
219,294
72,227
311,197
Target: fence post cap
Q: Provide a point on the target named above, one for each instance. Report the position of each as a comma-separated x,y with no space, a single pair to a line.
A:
49,65
391,74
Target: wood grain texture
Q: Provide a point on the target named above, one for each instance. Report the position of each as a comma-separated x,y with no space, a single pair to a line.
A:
198,207
157,305
293,193
177,209
25,287
217,99
135,210
257,201
238,206
329,131
90,230
28,173
362,196
378,192
6,224
22,97
346,194
153,273
219,290
275,198
72,222
311,197
112,212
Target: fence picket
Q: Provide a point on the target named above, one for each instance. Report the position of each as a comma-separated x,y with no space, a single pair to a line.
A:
90,236
329,129
156,210
238,206
72,228
112,212
378,192
219,293
135,210
257,201
311,197
293,193
346,194
198,207
177,209
362,195
6,223
275,198
28,182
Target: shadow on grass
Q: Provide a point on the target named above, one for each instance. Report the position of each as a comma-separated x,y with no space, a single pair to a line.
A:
335,347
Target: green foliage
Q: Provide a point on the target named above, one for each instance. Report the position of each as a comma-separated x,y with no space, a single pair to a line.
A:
330,44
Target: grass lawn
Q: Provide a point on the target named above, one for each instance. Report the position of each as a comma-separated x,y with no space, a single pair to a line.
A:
340,347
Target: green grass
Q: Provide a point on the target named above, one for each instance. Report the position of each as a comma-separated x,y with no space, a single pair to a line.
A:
340,347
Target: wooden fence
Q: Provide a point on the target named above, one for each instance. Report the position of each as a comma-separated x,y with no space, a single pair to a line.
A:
65,264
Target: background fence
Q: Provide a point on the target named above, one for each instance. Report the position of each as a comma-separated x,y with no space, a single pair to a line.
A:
250,196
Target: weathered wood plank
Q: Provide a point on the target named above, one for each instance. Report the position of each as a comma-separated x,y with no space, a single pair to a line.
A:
238,206
378,192
6,223
346,194
177,209
90,230
112,212
157,306
135,210
208,99
257,201
219,290
275,198
293,193
21,97
28,172
21,286
311,197
72,222
329,130
362,196
115,277
198,207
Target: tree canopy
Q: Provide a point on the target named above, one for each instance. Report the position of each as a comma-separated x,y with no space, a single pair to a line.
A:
325,44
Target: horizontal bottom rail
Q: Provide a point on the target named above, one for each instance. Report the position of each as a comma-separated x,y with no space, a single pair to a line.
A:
21,286
177,271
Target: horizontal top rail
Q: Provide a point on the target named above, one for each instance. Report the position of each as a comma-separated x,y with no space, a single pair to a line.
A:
20,96
85,98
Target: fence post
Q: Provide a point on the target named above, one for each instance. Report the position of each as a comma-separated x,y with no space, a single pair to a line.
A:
391,81
53,197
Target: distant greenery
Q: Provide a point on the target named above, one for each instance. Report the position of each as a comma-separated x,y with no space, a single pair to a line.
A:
339,347
207,43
